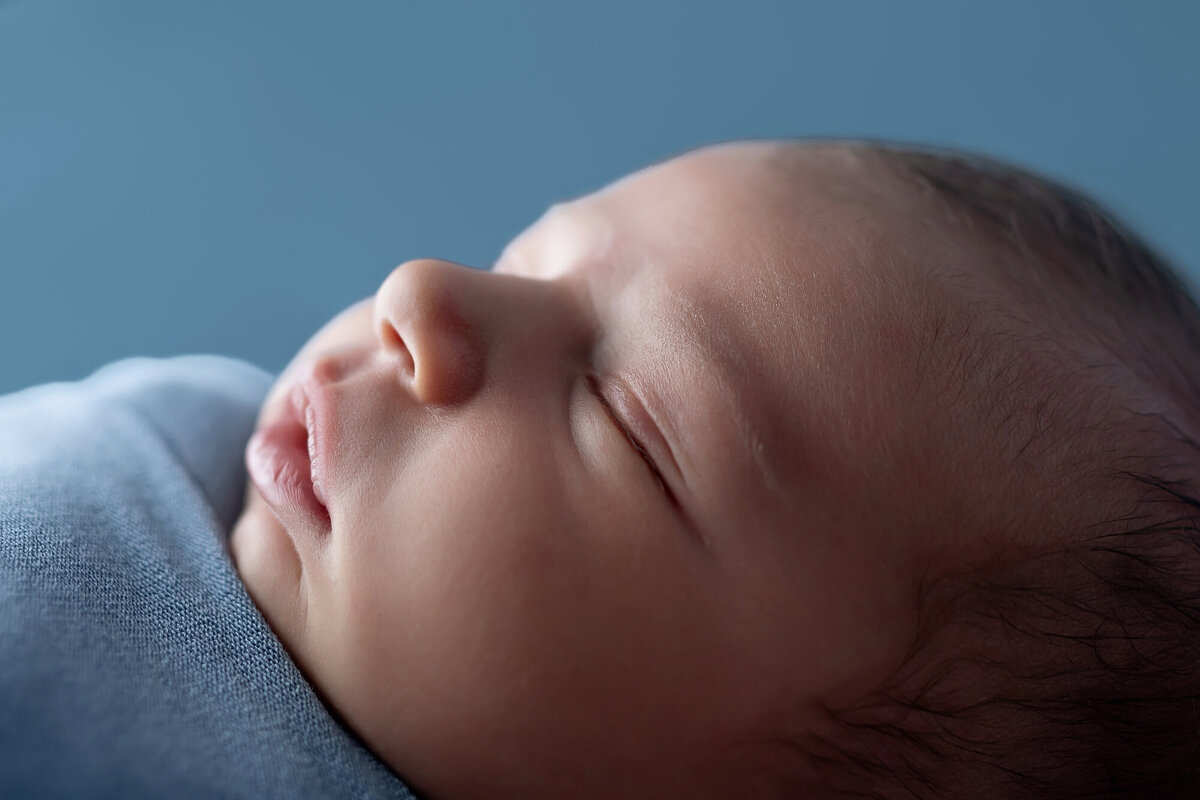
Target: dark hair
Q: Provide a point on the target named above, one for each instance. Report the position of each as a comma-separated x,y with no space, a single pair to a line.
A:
1075,673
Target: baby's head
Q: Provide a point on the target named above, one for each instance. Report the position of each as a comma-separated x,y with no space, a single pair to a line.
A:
770,470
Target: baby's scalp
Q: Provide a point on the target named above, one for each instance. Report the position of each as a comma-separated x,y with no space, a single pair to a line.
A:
1070,669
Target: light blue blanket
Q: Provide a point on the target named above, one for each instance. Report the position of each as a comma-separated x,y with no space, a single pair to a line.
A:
132,661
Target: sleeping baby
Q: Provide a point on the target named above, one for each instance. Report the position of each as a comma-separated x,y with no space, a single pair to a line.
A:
775,470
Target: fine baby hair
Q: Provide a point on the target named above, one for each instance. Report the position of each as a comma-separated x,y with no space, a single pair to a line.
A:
1073,673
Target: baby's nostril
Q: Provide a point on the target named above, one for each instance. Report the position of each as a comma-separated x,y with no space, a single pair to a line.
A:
392,341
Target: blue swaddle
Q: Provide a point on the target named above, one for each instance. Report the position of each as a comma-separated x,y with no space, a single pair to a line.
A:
132,661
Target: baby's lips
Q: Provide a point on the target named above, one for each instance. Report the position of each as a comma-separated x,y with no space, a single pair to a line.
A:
312,405
313,459
298,405
278,464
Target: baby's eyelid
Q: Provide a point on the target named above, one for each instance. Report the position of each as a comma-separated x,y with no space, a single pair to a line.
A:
594,381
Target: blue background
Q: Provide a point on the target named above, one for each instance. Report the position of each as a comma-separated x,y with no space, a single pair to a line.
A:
186,177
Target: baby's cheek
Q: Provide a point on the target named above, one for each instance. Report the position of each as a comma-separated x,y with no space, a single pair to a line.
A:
435,630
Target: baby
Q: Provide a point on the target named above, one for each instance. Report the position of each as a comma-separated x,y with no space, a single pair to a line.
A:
773,470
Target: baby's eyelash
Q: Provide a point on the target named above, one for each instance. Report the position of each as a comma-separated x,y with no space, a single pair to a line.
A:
594,386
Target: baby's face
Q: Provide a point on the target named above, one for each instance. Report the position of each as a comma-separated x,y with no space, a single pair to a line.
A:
636,502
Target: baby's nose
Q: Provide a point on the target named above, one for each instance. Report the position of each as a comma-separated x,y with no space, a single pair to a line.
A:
423,316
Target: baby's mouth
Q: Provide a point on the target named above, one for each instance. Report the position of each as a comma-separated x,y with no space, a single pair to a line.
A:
278,461
285,461
313,453
312,405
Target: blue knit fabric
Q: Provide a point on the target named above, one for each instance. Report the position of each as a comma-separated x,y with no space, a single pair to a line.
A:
132,661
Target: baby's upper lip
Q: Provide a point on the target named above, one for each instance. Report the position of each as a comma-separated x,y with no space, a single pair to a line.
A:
312,403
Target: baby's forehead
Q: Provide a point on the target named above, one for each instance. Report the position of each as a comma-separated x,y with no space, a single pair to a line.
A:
831,308
877,354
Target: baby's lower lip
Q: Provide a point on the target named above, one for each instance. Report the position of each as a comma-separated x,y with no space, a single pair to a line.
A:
277,460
